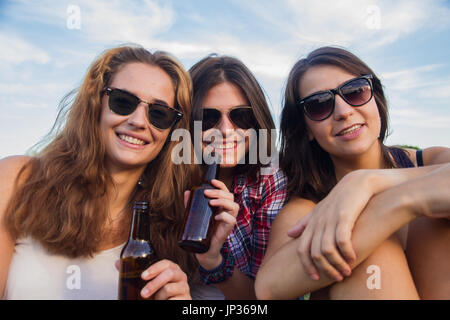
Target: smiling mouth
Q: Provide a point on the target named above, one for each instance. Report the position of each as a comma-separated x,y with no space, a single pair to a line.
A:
131,140
222,146
350,130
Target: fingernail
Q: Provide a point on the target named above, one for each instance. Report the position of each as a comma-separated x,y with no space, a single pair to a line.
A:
144,292
339,278
347,272
314,276
145,274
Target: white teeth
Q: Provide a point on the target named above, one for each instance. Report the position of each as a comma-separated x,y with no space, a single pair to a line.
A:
350,130
224,146
131,139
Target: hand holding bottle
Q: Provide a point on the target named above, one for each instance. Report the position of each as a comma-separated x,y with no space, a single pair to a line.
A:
166,281
225,221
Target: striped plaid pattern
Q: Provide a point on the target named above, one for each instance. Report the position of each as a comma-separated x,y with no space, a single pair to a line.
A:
259,202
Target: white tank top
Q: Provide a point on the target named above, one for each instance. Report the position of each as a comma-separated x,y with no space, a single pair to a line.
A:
36,274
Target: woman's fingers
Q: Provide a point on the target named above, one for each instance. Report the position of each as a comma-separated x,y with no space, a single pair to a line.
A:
173,291
187,194
217,193
227,205
160,275
331,253
304,251
297,230
319,259
344,242
219,184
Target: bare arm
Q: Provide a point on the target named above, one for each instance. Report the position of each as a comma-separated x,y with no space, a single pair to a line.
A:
434,155
282,275
327,230
9,168
238,287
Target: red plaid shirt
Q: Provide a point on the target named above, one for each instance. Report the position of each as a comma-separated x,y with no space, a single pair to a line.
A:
259,202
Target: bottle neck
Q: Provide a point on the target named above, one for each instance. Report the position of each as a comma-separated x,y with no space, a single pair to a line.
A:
140,225
212,172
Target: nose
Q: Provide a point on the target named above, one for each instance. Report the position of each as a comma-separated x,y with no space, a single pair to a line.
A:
342,110
139,118
225,125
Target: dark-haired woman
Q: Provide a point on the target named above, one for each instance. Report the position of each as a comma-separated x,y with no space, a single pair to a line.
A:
65,213
230,105
333,126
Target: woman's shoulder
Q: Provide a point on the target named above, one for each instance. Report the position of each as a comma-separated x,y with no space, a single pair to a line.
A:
294,209
429,156
299,206
10,167
9,170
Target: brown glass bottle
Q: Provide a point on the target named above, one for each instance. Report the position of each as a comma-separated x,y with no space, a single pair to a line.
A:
137,255
199,222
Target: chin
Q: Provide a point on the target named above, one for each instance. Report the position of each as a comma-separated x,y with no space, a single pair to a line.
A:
357,149
228,165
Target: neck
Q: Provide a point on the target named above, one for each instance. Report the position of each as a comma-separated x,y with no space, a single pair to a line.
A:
371,159
226,175
124,183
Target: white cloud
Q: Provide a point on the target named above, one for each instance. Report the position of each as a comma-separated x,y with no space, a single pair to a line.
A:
441,91
348,23
412,78
15,50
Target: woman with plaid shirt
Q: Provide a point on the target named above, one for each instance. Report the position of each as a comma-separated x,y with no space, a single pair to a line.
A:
231,104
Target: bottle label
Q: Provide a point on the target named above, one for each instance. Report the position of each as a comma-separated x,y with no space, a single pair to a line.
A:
199,215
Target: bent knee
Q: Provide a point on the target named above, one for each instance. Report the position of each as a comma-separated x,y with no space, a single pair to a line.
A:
429,257
383,275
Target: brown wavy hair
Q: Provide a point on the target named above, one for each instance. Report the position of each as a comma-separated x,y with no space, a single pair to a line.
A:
309,167
62,200
214,70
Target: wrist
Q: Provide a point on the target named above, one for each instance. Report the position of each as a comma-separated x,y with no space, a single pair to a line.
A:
401,201
220,273
208,261
381,180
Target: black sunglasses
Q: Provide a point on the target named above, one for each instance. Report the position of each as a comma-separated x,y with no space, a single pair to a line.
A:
241,116
124,103
356,92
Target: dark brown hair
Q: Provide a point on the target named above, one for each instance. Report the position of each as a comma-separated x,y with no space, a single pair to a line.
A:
62,201
214,70
309,167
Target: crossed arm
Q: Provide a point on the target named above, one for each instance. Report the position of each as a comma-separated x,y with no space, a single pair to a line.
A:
424,191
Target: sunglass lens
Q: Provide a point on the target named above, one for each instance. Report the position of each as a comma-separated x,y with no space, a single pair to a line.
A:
243,118
210,118
319,106
122,103
160,116
357,92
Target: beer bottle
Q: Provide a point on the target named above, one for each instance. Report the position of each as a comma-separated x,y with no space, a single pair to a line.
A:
198,226
137,255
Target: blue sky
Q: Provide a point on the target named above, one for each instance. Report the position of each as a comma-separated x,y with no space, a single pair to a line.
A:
47,46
